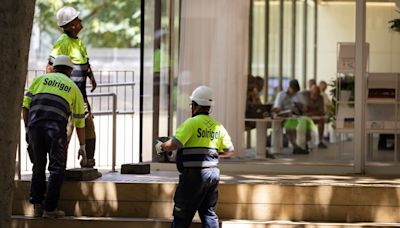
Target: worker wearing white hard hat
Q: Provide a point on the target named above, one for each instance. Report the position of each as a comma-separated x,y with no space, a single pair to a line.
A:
200,141
69,44
202,95
65,15
50,99
63,60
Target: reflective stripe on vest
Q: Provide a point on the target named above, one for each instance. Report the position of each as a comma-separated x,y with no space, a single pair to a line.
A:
199,157
55,98
48,107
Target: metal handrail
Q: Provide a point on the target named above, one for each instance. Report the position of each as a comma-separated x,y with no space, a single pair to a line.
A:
99,113
113,84
114,123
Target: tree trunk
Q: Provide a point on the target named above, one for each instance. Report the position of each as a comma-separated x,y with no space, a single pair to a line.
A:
15,26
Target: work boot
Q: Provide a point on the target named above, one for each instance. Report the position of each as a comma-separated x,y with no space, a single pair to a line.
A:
37,210
90,163
270,156
53,214
83,163
322,145
299,150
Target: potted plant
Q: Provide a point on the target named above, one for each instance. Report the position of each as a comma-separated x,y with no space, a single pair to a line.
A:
395,24
346,87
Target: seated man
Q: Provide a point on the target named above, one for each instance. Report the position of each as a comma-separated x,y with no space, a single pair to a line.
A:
327,101
289,104
253,98
311,83
314,108
254,88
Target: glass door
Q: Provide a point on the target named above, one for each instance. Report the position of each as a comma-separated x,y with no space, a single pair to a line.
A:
161,32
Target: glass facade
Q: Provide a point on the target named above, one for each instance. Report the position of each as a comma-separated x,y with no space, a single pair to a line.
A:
285,40
382,110
249,51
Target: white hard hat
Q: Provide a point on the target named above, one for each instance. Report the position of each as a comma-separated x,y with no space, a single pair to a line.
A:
66,14
202,95
63,60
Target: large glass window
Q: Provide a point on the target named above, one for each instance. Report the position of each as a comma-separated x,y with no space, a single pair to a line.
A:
382,87
302,44
161,35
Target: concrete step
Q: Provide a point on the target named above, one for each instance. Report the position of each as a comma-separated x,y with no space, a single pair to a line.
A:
92,222
244,201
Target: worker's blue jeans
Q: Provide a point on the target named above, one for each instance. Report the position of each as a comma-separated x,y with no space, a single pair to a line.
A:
42,141
197,190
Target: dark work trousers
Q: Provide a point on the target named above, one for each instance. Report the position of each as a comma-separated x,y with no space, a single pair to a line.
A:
197,190
45,141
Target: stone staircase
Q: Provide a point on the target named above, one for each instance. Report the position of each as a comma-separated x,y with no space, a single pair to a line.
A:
244,201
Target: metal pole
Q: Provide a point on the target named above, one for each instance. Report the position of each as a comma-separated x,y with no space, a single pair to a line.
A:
156,75
114,124
142,13
360,78
294,17
116,84
251,29
170,64
315,38
305,20
114,131
266,55
281,12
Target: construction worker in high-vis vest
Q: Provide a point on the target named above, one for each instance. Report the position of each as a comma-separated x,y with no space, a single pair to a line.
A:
70,45
200,141
49,101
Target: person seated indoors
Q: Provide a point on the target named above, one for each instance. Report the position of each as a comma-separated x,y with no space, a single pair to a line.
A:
288,104
253,98
314,107
311,82
323,86
255,85
254,88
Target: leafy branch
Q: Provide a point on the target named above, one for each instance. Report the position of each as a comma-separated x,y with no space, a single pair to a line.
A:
395,24
107,23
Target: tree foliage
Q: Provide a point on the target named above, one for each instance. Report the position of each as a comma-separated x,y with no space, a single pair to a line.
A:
107,23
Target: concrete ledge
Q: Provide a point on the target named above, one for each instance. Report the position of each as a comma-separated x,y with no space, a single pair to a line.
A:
86,222
91,222
246,201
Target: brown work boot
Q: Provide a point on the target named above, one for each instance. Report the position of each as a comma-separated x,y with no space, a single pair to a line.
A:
83,162
88,163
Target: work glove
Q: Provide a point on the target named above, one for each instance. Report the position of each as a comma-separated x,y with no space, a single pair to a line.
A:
158,147
82,153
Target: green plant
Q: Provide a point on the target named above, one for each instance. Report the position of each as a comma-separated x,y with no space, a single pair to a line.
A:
395,24
344,83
